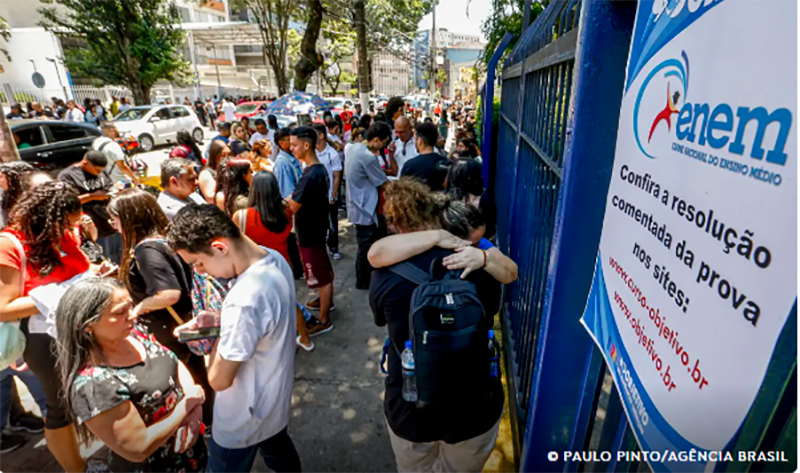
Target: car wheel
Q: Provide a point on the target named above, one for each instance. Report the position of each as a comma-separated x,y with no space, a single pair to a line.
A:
198,135
146,143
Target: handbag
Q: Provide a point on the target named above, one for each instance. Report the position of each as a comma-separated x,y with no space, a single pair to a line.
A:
12,340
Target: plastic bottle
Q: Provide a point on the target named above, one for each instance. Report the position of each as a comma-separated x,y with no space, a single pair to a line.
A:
409,376
494,356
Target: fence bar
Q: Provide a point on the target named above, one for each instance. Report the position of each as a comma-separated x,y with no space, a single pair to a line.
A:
564,345
488,111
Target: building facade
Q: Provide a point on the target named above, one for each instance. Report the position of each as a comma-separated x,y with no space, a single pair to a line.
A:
390,75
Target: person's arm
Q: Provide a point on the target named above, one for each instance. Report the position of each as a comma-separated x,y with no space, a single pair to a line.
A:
337,181
12,306
219,200
123,430
396,248
123,166
207,185
498,265
92,196
392,164
242,327
293,205
221,372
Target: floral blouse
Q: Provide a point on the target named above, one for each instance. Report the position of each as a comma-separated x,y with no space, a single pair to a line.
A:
153,387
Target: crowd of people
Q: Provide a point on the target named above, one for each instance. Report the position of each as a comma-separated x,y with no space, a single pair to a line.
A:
155,318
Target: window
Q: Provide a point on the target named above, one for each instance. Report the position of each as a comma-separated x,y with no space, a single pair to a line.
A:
163,113
28,137
67,132
185,15
179,112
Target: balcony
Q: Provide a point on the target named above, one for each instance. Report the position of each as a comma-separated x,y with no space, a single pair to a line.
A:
247,50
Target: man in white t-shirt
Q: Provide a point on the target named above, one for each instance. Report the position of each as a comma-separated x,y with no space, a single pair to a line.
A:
330,158
229,109
262,133
117,166
252,364
402,148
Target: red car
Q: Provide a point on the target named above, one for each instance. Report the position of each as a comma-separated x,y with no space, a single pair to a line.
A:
249,109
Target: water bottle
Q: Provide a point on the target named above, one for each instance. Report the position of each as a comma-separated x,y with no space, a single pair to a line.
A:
494,356
409,377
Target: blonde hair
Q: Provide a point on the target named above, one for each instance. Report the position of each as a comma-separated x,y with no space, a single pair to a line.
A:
411,206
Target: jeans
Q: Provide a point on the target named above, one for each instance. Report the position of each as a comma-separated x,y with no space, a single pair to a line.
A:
366,235
333,227
7,387
278,453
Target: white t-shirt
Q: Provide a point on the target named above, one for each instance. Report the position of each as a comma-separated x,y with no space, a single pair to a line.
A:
229,109
258,329
403,152
114,153
330,158
258,136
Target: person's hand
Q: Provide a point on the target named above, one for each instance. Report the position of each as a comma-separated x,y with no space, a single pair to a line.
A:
332,201
391,149
449,241
138,310
195,396
190,325
100,195
189,431
467,258
87,225
208,318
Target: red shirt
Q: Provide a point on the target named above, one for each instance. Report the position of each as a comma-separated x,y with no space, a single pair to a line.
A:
73,260
263,236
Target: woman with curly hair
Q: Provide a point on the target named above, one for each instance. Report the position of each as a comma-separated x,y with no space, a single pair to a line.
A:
234,177
12,181
157,278
411,207
39,247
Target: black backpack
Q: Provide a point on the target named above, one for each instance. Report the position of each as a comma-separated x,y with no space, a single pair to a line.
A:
449,333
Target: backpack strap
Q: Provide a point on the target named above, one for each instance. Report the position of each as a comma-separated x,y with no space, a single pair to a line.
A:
410,272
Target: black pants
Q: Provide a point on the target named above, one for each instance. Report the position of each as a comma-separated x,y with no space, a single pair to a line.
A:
278,453
366,235
162,326
294,256
40,355
333,226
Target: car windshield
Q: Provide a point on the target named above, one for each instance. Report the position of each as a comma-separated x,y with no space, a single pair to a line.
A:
247,108
132,114
336,103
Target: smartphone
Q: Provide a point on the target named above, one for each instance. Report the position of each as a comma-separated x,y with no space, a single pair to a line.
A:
199,334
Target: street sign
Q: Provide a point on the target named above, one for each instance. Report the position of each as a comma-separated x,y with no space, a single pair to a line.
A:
38,80
696,272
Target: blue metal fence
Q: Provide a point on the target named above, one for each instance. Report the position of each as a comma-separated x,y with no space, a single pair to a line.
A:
562,87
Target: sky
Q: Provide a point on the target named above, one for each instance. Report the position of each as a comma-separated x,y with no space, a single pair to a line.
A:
452,15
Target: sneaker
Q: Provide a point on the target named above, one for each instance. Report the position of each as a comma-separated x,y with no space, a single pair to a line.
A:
336,255
315,327
314,305
11,442
27,422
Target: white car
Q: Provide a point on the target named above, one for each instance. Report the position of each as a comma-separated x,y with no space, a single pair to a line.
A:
153,125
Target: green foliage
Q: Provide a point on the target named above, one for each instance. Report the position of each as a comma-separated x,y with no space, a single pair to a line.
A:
479,116
506,17
128,43
5,35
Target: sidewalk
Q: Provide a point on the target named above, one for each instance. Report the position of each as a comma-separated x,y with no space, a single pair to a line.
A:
337,421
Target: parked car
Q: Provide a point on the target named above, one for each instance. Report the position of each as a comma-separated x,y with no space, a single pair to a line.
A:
250,109
283,120
153,125
52,145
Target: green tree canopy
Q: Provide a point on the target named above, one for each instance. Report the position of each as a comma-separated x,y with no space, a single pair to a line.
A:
133,43
506,17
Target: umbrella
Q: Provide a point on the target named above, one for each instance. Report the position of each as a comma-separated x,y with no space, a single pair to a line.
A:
298,103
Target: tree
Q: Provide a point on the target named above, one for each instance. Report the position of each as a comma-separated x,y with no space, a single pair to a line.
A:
340,44
128,43
8,148
309,60
506,17
272,18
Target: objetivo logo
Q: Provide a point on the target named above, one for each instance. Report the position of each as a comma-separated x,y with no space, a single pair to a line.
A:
662,111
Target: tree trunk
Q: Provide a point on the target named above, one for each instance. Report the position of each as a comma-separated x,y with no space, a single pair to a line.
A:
309,62
8,148
363,65
280,79
141,94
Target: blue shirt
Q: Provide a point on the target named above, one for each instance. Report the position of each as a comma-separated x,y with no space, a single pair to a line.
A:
288,171
485,244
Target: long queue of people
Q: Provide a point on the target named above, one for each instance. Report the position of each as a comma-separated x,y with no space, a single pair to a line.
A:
192,327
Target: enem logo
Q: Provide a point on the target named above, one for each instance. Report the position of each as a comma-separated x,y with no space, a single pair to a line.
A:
699,123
